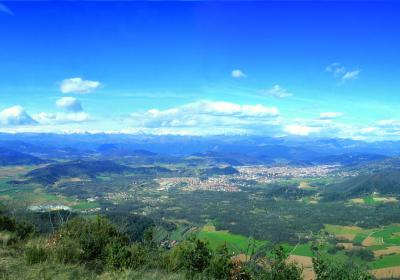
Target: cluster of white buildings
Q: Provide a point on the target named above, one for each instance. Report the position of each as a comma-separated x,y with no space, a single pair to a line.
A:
217,183
265,174
48,207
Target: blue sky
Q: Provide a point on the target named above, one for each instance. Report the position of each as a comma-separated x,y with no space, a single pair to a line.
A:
323,69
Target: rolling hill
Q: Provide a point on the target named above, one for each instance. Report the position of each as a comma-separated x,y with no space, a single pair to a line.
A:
385,182
78,168
11,157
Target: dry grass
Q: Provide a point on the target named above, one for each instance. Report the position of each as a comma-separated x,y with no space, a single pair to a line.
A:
357,200
209,228
241,257
386,273
388,251
371,241
385,199
345,236
309,274
346,245
305,186
306,263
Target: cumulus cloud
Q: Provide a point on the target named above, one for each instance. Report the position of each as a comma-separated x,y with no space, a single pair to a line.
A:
79,86
15,116
341,73
301,130
70,104
205,117
219,108
277,91
61,118
238,74
330,115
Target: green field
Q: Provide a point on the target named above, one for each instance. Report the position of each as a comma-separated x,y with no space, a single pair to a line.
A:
390,234
386,261
335,229
299,249
303,250
236,243
370,200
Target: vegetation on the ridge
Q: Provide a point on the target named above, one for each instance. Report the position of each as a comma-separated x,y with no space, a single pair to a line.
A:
96,249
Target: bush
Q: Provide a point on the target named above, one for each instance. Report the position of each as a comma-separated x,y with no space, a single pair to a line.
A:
191,255
221,264
35,252
68,251
280,269
95,238
118,256
326,269
363,254
22,230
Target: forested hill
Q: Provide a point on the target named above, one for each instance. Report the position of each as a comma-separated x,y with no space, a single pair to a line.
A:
12,157
385,182
78,168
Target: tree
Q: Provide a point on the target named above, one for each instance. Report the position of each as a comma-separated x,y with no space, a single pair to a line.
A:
192,255
221,264
280,269
327,269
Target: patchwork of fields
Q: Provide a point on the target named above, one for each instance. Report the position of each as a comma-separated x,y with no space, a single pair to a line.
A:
382,242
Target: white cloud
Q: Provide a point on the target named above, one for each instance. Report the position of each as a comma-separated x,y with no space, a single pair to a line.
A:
388,122
330,115
221,108
208,117
69,103
61,118
368,130
351,75
301,130
238,74
78,85
277,91
14,116
335,68
342,73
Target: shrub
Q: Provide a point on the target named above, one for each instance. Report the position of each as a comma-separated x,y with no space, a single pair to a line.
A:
22,230
118,255
68,251
191,255
94,238
221,264
326,269
35,252
363,254
280,269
